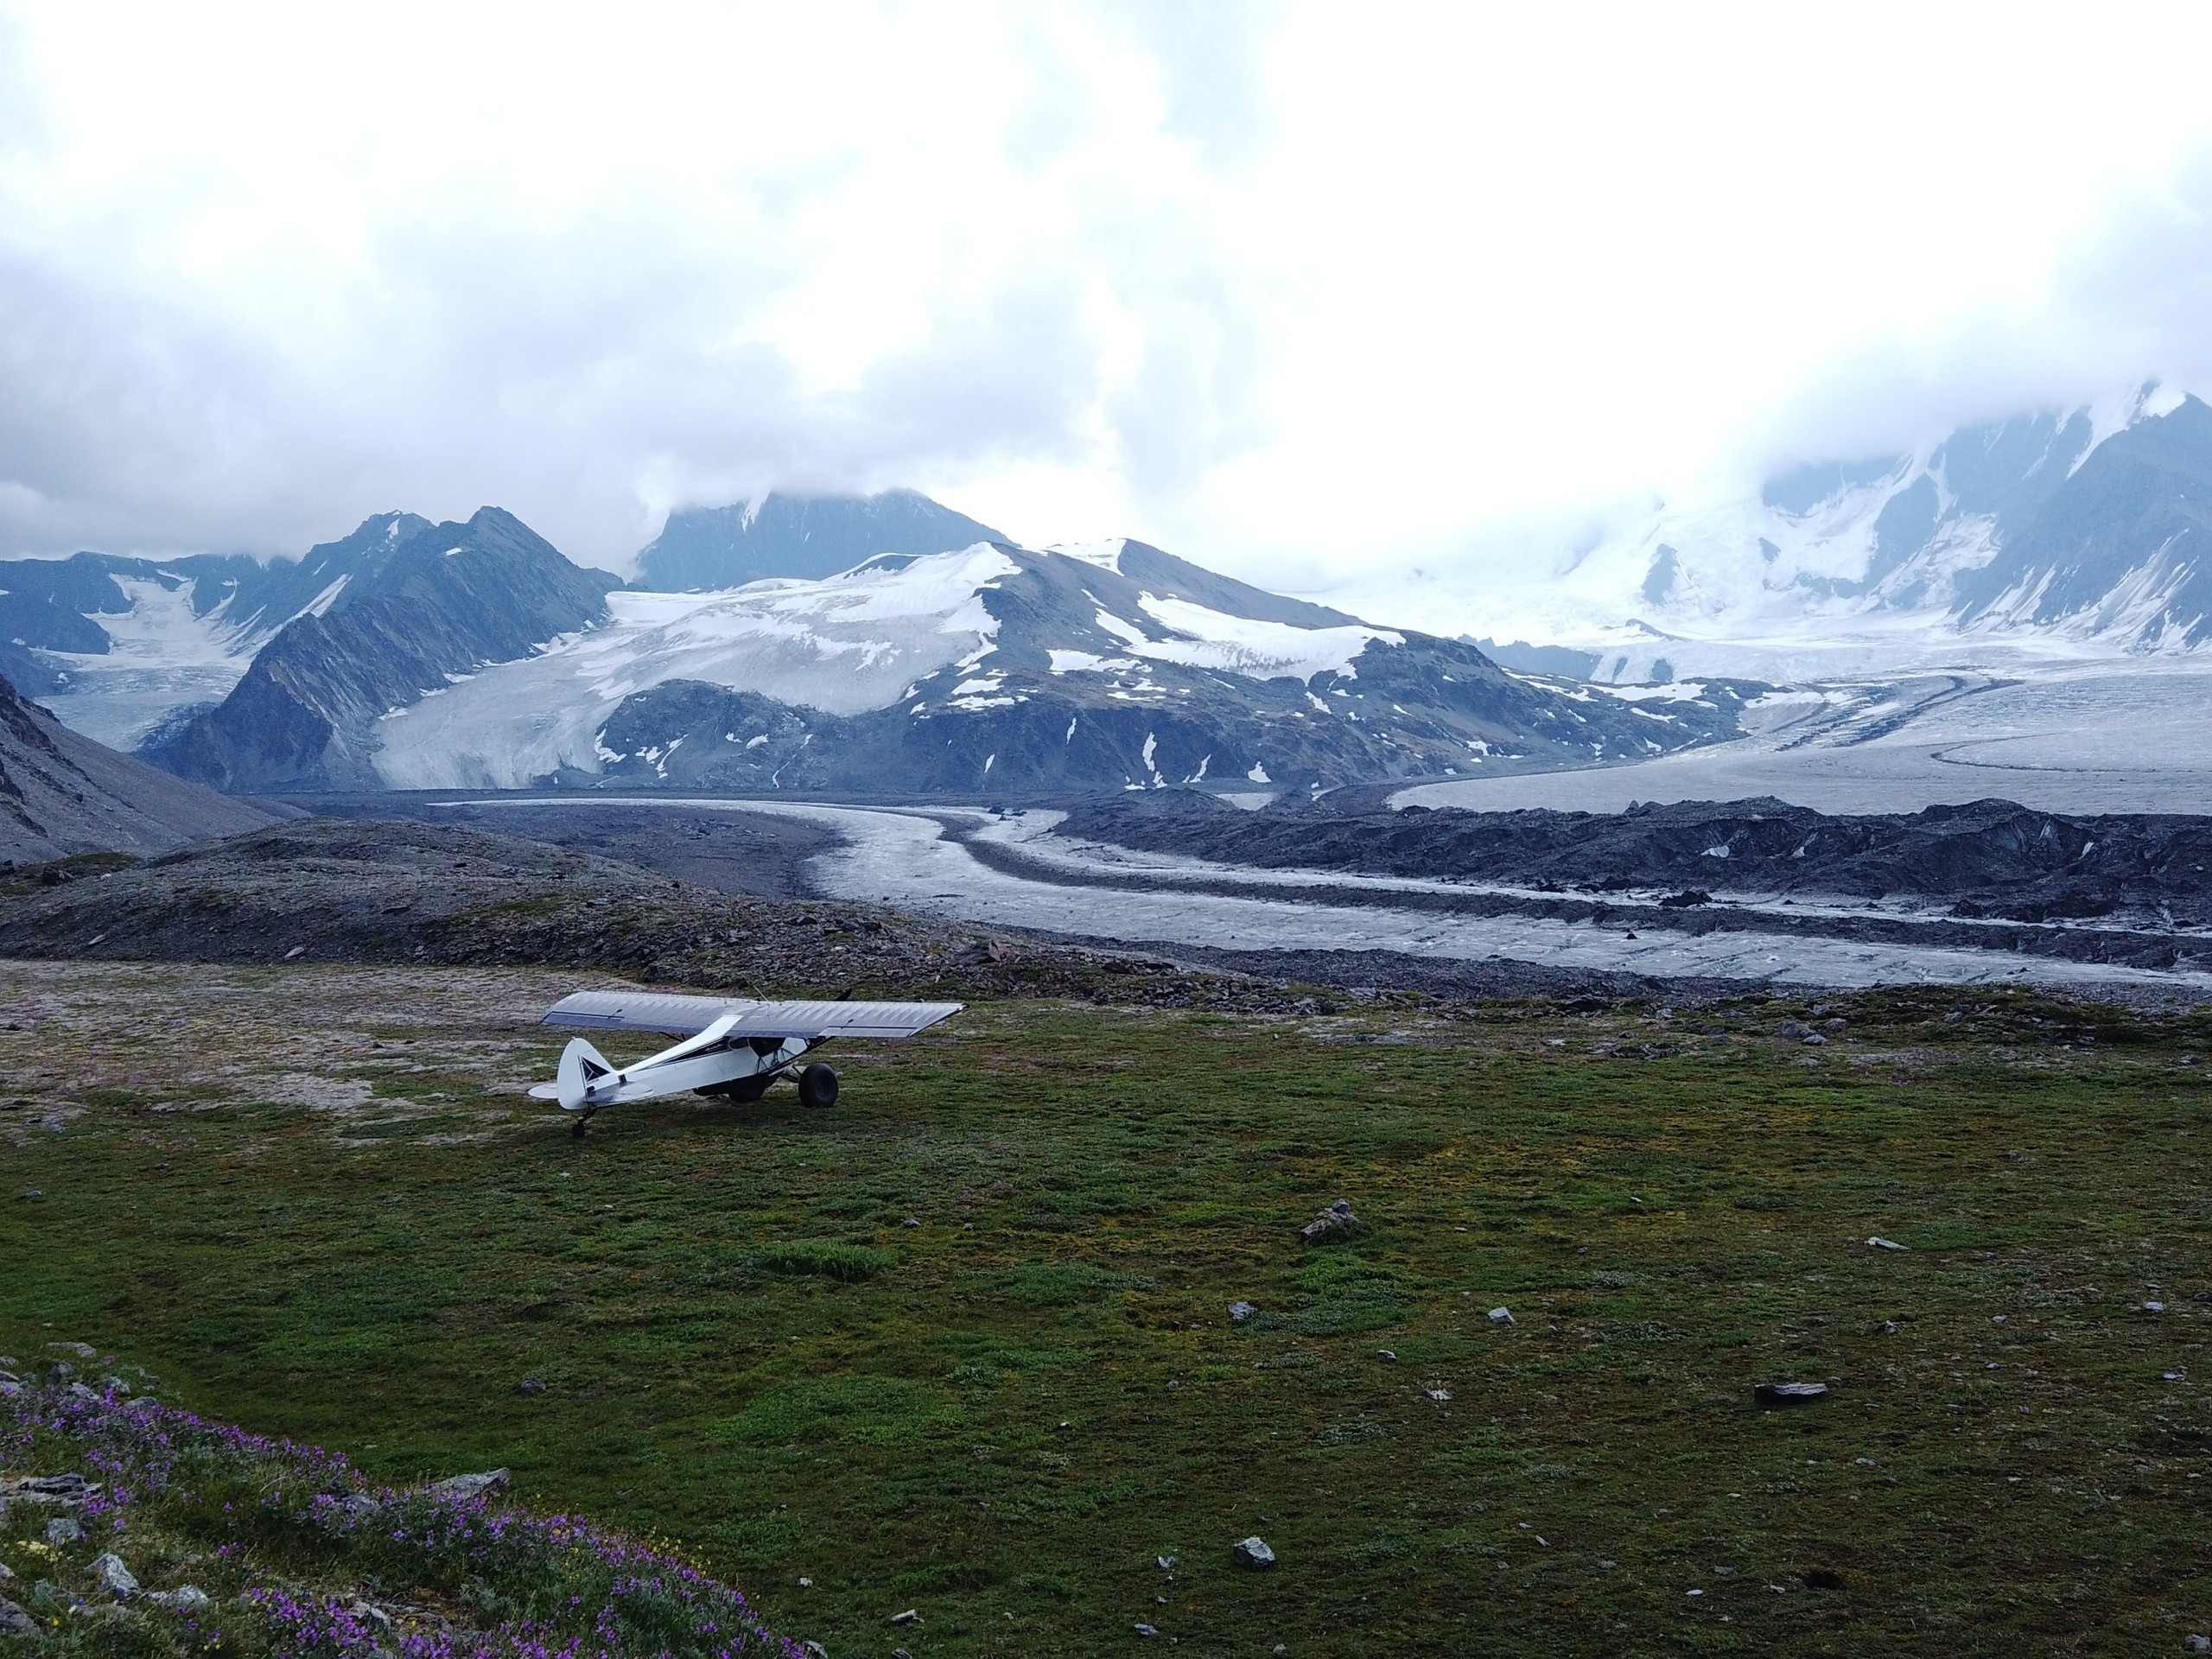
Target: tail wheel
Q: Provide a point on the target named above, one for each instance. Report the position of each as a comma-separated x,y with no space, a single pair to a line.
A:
817,1086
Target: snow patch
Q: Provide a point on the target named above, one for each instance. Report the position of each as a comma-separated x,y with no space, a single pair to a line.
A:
1084,662
1107,556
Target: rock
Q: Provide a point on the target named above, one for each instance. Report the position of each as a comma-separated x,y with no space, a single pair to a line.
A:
911,1221
814,1651
115,1384
13,1621
2197,1643
1790,1394
358,1507
1240,1311
6,1572
1386,1353
2154,1307
79,1391
1337,1219
464,1487
1878,1242
74,1349
1167,1563
1501,1316
1438,1395
1147,1630
63,1370
70,1488
369,1613
112,1576
185,1599
529,1385
1253,1552
910,1617
64,1531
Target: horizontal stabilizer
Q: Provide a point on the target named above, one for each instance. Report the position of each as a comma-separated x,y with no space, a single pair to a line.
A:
687,1016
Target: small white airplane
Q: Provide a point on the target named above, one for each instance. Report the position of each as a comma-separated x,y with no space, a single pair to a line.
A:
732,1048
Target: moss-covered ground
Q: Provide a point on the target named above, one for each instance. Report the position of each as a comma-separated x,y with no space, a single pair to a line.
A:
961,1343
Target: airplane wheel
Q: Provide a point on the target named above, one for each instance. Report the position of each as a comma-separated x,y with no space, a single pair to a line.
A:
817,1086
739,1090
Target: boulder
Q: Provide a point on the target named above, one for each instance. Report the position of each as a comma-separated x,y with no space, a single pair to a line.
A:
185,1599
1336,1221
64,1531
113,1576
1252,1553
65,1488
13,1621
1240,1311
1790,1394
464,1487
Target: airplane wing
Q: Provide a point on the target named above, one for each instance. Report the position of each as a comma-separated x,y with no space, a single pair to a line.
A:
687,1016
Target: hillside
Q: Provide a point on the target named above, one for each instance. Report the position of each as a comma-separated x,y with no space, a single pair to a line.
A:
62,794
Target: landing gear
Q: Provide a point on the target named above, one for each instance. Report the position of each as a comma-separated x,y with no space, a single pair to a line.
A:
817,1086
576,1130
741,1088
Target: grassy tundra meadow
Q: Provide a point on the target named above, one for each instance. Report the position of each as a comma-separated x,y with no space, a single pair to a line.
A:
962,1344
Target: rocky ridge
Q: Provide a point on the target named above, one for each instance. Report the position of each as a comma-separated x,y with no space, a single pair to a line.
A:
1991,859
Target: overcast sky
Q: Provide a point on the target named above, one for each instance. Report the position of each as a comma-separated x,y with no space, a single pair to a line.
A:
1301,292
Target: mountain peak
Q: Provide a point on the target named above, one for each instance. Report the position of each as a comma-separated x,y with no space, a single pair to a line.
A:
704,549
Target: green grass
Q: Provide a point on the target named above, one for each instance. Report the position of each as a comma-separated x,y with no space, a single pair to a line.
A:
1001,1416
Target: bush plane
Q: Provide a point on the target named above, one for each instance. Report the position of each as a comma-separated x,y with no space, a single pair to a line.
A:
732,1049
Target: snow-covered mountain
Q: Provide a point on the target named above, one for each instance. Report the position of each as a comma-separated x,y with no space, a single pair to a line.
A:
2084,528
1114,665
415,613
705,549
117,646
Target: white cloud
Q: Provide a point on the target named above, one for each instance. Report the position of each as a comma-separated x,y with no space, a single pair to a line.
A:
1302,292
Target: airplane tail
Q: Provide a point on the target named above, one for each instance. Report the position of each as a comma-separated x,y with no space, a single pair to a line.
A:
581,1064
